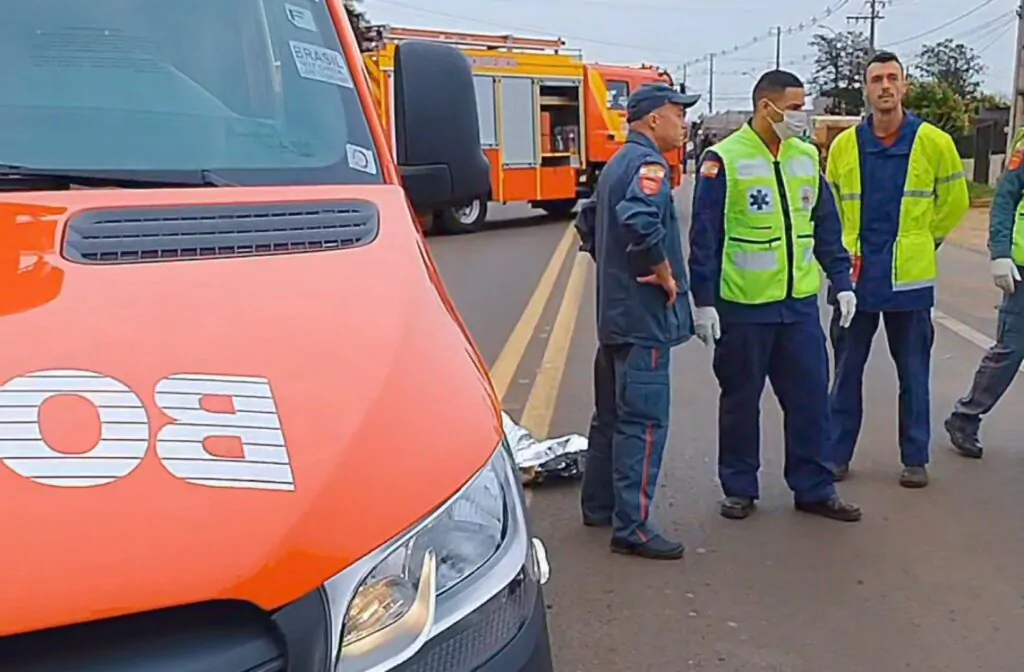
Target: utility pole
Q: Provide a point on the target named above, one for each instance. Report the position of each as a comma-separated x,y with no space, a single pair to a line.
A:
778,47
711,83
684,73
1017,96
871,18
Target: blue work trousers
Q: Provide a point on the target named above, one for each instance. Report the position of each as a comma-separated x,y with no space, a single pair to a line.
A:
794,357
910,335
632,397
998,367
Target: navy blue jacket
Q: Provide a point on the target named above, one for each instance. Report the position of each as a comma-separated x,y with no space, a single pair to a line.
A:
883,177
1003,216
707,238
627,232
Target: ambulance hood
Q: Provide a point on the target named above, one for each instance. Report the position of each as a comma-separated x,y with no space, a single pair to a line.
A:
238,426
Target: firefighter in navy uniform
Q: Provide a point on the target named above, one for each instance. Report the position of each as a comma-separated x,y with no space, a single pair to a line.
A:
763,221
1000,364
631,230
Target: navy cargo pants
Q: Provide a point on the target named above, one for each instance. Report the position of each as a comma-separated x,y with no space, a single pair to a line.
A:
794,357
632,396
998,367
910,334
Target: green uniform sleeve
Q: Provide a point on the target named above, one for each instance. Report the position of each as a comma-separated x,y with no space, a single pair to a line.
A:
952,198
1003,214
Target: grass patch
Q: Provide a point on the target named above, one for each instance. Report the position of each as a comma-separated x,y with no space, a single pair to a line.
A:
980,192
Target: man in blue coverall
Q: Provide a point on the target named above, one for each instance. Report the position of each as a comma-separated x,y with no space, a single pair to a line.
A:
901,191
631,230
763,221
1002,361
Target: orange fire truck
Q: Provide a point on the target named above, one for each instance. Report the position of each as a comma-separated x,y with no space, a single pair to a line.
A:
548,121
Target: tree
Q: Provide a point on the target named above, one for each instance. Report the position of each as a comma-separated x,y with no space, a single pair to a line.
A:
839,70
939,104
360,23
955,64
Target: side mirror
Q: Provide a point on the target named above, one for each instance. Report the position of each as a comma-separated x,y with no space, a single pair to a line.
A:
437,128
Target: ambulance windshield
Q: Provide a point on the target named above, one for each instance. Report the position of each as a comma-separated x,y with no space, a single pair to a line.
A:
256,91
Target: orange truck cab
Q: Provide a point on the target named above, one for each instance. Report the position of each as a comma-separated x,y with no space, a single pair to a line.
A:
242,427
548,120
608,91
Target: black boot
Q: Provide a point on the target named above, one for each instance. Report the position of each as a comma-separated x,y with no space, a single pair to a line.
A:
833,508
655,548
964,437
737,508
914,477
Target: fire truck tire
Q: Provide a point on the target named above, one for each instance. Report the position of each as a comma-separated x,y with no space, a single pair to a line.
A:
561,208
467,219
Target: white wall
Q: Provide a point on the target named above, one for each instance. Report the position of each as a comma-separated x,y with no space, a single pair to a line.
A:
995,168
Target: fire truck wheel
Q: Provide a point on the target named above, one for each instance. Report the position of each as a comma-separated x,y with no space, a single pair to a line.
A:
467,219
562,208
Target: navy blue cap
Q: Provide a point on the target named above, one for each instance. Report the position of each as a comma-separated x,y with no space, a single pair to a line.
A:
650,97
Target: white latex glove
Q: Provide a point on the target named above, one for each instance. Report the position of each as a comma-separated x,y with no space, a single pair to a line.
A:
847,308
707,324
1005,274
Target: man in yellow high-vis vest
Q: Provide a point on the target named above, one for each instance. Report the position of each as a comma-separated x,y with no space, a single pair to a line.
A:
764,225
901,190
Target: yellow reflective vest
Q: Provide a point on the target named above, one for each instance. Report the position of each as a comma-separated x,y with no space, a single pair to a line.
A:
1018,224
935,200
768,252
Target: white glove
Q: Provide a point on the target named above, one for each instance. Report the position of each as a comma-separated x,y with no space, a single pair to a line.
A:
847,308
707,324
1005,274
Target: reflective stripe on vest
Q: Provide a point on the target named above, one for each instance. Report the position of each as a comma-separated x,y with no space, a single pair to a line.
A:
914,260
763,253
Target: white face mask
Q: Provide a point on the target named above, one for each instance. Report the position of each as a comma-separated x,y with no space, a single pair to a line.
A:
793,125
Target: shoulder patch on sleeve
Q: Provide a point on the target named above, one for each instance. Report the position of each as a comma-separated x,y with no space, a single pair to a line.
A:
710,168
1016,160
651,176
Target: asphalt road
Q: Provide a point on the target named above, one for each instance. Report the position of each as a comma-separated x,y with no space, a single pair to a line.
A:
930,580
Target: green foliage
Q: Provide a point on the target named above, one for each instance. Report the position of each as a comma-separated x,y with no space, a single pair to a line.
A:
938,103
980,192
839,70
990,101
953,63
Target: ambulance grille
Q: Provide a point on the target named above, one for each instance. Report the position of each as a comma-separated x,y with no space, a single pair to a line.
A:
126,236
222,636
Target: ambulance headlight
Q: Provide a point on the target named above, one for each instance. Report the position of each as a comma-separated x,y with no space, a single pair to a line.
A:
421,582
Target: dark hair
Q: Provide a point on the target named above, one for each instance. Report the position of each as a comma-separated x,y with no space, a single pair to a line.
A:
882,57
774,82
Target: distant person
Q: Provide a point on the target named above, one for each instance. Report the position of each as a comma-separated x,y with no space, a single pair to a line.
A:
630,229
1000,364
901,190
763,222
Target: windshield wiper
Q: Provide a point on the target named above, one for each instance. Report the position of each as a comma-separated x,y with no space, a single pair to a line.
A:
21,177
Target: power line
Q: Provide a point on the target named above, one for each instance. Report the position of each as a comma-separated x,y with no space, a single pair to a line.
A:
979,31
991,43
761,38
758,39
871,18
936,29
529,29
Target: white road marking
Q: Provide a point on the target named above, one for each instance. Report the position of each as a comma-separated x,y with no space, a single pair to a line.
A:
961,329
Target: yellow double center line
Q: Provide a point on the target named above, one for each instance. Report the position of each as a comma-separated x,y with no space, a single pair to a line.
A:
540,404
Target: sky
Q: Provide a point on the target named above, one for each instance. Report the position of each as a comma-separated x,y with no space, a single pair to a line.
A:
678,33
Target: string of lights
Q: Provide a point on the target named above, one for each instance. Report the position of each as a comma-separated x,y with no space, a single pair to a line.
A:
809,24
